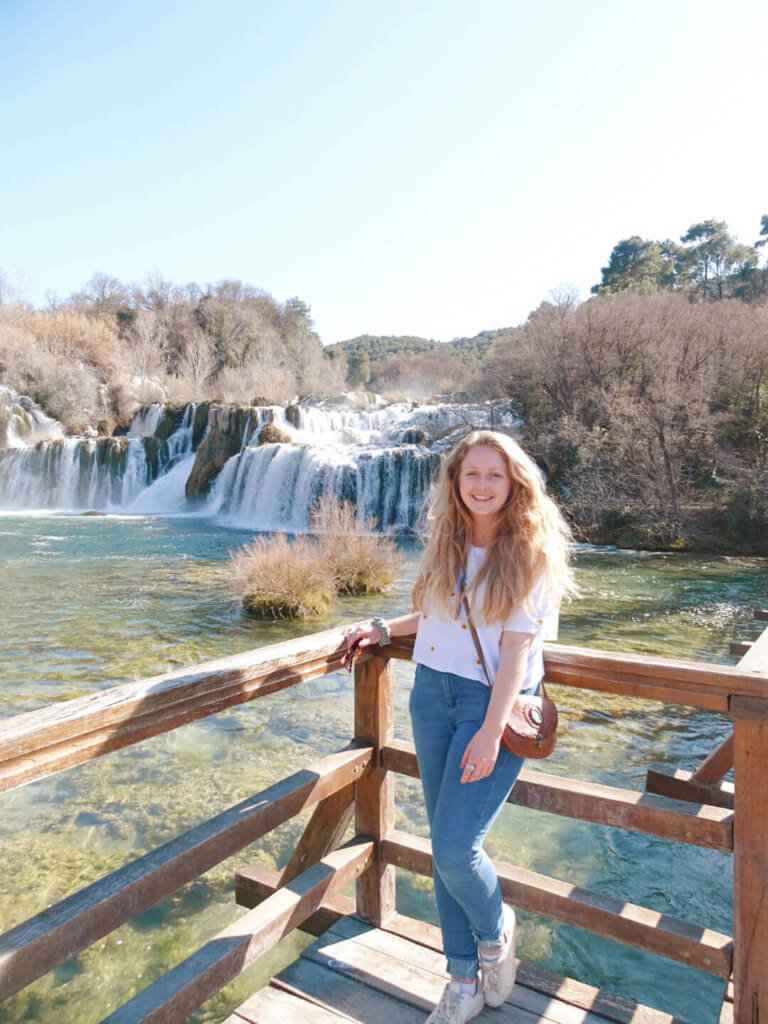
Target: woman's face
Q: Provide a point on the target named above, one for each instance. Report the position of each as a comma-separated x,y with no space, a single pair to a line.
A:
484,482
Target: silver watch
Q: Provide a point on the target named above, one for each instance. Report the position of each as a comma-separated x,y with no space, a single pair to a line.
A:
386,635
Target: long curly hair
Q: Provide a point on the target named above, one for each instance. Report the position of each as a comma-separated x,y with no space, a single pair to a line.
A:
532,538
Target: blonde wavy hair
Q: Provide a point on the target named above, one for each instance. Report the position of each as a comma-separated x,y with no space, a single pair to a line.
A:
532,539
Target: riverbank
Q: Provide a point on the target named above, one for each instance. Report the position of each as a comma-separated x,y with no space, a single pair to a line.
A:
733,527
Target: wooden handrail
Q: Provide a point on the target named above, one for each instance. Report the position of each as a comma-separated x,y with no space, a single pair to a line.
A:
603,805
615,919
184,988
39,743
58,933
673,681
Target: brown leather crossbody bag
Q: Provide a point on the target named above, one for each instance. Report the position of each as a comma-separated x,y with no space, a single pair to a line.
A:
531,730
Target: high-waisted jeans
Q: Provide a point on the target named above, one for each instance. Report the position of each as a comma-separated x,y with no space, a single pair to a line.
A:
446,712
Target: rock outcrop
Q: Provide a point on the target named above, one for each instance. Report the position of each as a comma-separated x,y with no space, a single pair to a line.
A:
226,435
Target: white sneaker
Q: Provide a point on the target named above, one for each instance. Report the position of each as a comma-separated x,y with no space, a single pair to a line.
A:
455,1006
499,974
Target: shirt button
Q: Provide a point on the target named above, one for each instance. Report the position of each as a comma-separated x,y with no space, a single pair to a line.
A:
453,593
432,647
463,625
479,662
425,615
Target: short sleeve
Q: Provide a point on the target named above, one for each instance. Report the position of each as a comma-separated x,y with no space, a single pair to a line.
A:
543,617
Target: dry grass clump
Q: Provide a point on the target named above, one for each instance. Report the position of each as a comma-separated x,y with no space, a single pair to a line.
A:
276,579
361,562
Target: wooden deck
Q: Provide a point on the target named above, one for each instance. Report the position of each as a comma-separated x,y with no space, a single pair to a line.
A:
395,975
379,966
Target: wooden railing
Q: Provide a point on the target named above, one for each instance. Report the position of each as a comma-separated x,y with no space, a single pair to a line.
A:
359,780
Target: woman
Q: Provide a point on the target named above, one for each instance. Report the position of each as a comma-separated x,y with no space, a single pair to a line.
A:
498,540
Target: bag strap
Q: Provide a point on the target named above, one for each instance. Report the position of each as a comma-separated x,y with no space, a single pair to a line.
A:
476,639
479,647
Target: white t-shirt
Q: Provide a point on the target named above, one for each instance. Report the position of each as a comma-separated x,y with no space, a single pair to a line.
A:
446,644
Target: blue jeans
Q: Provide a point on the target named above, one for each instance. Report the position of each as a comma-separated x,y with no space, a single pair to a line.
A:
446,712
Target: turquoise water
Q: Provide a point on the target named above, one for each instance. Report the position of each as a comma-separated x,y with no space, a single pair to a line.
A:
90,602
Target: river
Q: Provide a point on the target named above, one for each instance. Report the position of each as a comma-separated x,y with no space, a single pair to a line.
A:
90,602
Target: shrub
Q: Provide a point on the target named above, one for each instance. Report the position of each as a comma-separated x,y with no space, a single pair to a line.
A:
361,562
270,434
276,579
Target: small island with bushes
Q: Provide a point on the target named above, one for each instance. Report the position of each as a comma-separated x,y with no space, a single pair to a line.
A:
278,578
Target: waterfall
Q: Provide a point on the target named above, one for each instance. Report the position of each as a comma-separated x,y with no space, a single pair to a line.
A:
24,422
146,420
382,459
110,474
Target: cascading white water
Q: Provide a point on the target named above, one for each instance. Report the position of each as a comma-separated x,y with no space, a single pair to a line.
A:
111,474
146,420
368,457
73,474
23,421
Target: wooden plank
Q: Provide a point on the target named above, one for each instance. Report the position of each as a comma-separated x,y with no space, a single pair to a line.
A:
726,1009
739,647
276,1005
39,743
679,786
720,761
623,922
324,832
586,997
255,882
336,991
402,979
750,856
726,1014
604,805
375,792
757,655
61,931
697,684
364,945
175,995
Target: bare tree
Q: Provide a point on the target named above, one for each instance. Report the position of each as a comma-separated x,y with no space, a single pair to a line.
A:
148,346
197,360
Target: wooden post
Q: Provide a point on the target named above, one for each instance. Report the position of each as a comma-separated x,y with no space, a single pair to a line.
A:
750,868
714,767
323,833
375,793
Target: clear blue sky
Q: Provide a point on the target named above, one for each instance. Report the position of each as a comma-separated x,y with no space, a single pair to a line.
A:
430,167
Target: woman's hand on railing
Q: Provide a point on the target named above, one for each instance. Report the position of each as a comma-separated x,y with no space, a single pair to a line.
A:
356,638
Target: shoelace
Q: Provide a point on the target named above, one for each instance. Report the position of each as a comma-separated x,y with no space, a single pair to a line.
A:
490,968
491,971
447,1007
